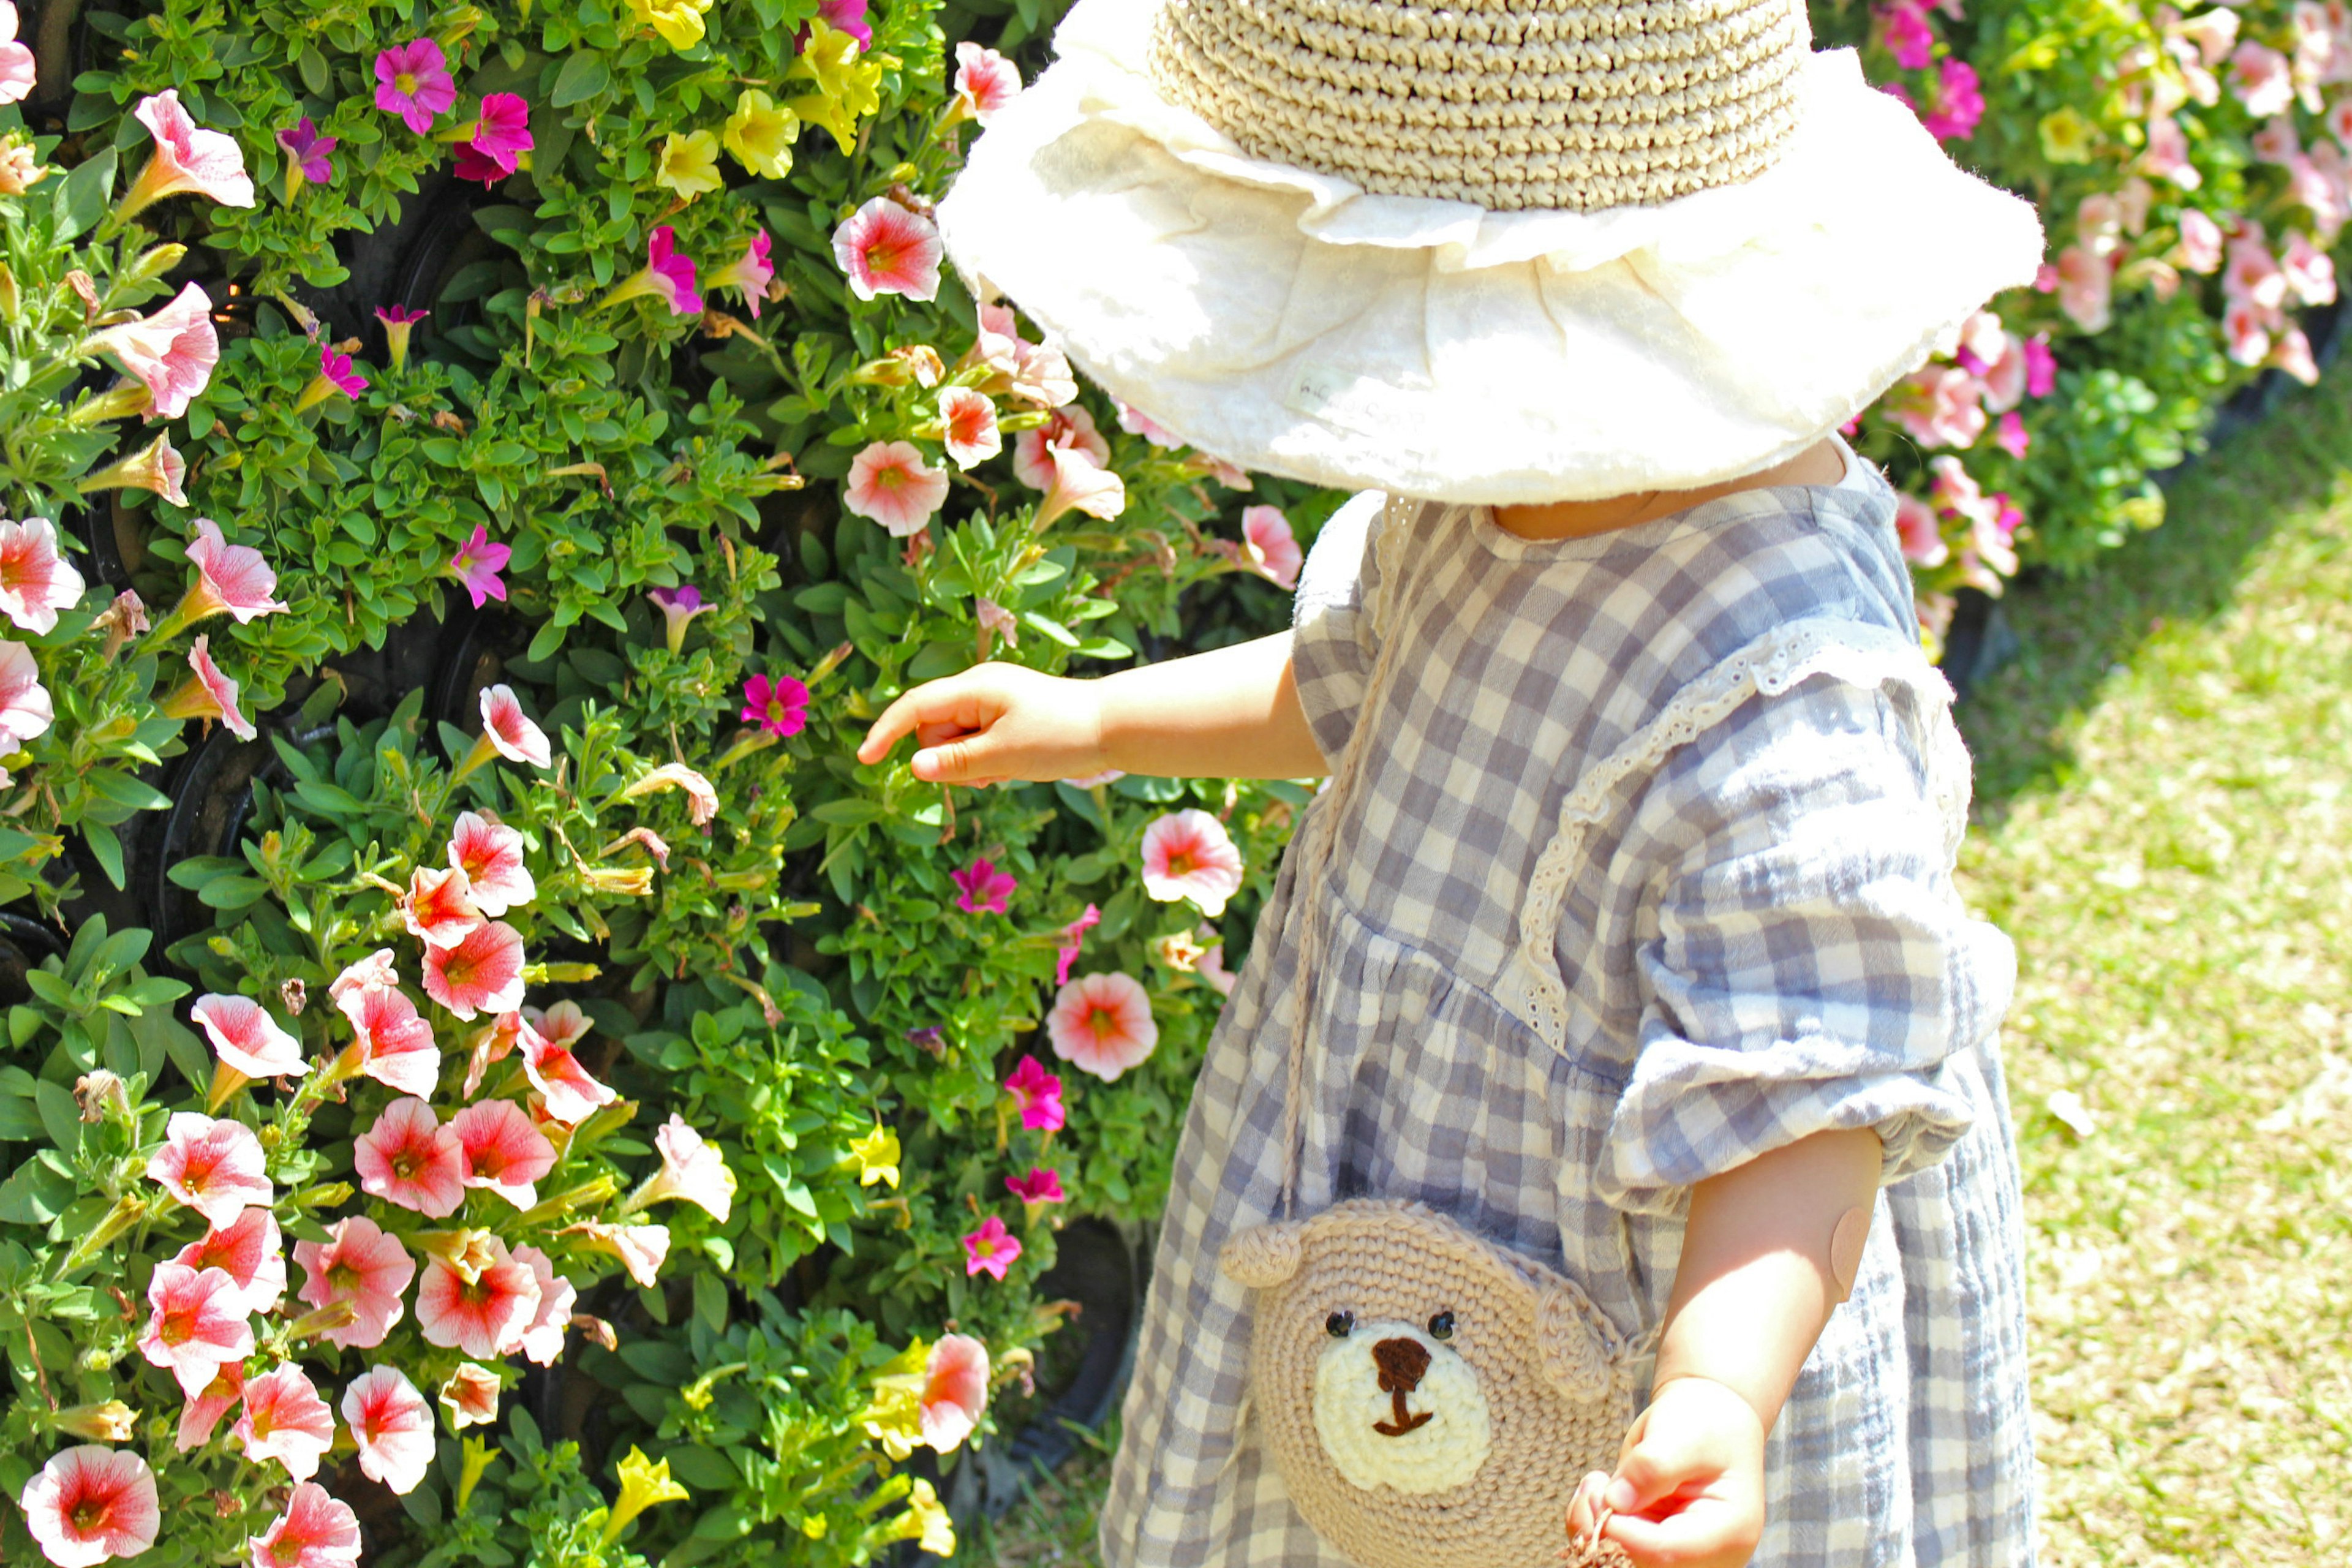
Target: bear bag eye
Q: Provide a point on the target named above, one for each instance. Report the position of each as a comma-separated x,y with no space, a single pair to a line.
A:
1339,1325
1441,1327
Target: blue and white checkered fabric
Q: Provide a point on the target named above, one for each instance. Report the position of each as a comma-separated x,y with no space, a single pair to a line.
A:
1649,874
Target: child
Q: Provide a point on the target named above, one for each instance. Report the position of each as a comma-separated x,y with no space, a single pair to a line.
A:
1625,934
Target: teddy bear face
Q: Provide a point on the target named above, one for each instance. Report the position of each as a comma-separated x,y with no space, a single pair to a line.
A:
1397,1406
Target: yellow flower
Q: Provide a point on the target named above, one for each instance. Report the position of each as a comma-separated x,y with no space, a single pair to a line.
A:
894,1417
877,1157
642,1484
476,1456
2067,137
938,1536
690,164
761,134
846,85
679,22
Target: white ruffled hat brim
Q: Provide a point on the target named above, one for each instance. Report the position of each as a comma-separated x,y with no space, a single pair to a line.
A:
1294,323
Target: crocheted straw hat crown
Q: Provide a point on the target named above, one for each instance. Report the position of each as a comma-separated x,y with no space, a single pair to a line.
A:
1510,105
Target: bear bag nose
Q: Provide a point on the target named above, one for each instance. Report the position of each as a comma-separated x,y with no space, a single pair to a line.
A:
1402,1364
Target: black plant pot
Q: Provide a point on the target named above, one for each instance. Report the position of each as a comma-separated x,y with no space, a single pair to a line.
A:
1978,643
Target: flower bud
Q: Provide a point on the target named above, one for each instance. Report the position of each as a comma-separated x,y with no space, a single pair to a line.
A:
158,260
110,1422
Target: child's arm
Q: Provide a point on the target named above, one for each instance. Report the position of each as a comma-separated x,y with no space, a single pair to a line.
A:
1230,714
1771,1248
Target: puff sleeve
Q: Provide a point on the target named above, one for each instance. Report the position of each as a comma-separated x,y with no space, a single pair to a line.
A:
1809,965
1332,641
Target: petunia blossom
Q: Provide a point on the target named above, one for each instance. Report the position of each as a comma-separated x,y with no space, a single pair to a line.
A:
503,130
202,1411
503,1152
985,81
491,856
196,1321
2310,271
749,273
395,1043
884,249
1136,421
26,710
392,1425
981,889
1918,532
509,730
216,1168
413,81
35,580
2263,78
250,1250
171,352
1189,855
667,274
247,1038
233,579
1073,942
1273,549
439,911
478,565
284,1419
484,1316
641,1249
692,1169
409,1158
470,1396
1041,1186
1072,429
955,1391
543,1342
968,427
482,974
566,1024
701,799
19,71
778,705
187,159
91,1504
990,1249
2085,284
309,155
1079,486
315,1531
208,693
2012,436
1102,1024
362,1264
572,1096
888,483
1036,1095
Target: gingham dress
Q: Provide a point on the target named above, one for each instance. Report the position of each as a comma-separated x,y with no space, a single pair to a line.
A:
1650,873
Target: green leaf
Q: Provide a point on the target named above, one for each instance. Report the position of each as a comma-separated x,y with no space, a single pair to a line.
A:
34,1194
583,76
106,846
83,200
60,1117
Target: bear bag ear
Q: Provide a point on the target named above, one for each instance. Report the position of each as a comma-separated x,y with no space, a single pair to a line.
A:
1263,1256
1583,1352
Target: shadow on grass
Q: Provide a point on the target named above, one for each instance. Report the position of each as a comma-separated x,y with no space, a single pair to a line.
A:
2219,515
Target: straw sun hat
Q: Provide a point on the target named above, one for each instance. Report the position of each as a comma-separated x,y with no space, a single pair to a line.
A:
1495,251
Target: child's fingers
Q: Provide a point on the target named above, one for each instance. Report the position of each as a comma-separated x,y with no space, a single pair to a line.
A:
1665,1460
956,703
970,760
1706,1535
1584,1508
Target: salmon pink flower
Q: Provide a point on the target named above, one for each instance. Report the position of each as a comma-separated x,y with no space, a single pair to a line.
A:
511,731
187,159
285,1420
198,1320
247,1038
216,1168
692,1169
470,1394
490,853
1073,939
2291,354
955,1391
2276,142
231,578
570,1095
968,427
207,694
1136,421
1189,855
204,1411
307,155
1072,429
90,1504
171,352
1921,535
2253,274
2310,271
701,800
985,81
1041,1186
439,911
365,1265
18,70
477,566
779,706
155,467
1274,551
749,274
2166,157
543,1340
640,1247
315,1531
667,274
247,1250
483,1317
1079,486
982,889
503,130
503,1152
1211,967
2086,283
992,1249
1939,406
889,484
1037,1095
886,250
490,1046
393,1426
2262,79
24,707
483,973
409,1158
413,81
1102,1024
565,1024
395,1043
2201,242
375,969
36,582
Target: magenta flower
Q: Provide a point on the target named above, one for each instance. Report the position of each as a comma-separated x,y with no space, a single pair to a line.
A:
171,352
187,159
678,606
249,1251
1073,939
285,1420
750,274
984,888
395,1043
216,1168
1959,103
362,1264
36,581
393,1426
477,564
502,133
503,1152
315,1531
491,856
1037,1095
89,1504
2041,366
399,322
197,1321
410,1158
847,16
1102,1024
247,1038
413,81
307,154
2012,436
992,1249
888,483
884,249
1042,1186
1903,28
666,273
337,378
483,973
1189,855
478,166
779,706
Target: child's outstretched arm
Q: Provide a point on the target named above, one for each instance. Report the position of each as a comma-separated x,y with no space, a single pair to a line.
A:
1771,1248
1233,712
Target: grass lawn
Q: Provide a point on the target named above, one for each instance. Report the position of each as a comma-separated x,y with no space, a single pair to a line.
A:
2164,808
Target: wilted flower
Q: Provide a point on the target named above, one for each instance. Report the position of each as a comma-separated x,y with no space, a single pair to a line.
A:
285,1420
89,1504
985,81
470,1396
484,1316
250,1251
991,1248
216,1168
107,1421
542,1341
315,1531
36,581
1037,1095
667,274
502,1151
413,81
361,1264
410,1158
247,1038
679,22
1074,938
640,1247
1189,855
392,1425
20,167
490,853
197,1321
171,352
483,973
701,800
889,484
187,159
886,250
761,134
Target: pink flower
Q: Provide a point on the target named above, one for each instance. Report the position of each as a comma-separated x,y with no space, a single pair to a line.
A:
983,888
483,973
2339,121
667,274
543,1340
2291,354
1273,553
640,1247
1922,536
2166,157
1959,103
473,164
171,352
1939,406
1903,29
375,969
1037,1095
2310,272
2245,326
2322,182
1136,421
510,730
1079,486
490,853
692,1169
335,370
308,152
20,72
409,1158
889,484
779,706
2277,141
2262,79
985,81
89,1504
502,1149
1189,855
413,81
1210,966
247,1250
362,1264
2086,283
315,1531
285,1420
2210,34
247,1038
955,1387
2201,241
502,132
437,911
570,1094
491,1046
2011,437
2253,274
968,427
392,1425
991,1248
229,577
701,799
197,1322
750,274
24,709
477,564
1072,429
187,159
208,694
397,1046
1073,939
204,1411
886,250
484,1317
36,582
1102,1024
1039,1187
216,1168
2005,380
565,1024
2041,366
470,1394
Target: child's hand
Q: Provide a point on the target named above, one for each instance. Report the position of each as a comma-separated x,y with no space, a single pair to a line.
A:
994,721
1689,1487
